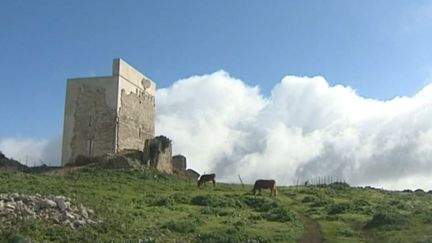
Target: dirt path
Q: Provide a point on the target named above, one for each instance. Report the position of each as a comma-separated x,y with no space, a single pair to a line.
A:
312,232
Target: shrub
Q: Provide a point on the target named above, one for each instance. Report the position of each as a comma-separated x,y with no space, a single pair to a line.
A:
332,218
257,216
316,201
420,191
279,215
217,211
310,199
338,208
385,219
427,218
361,205
180,198
20,239
215,237
348,233
181,226
162,202
216,201
260,204
339,185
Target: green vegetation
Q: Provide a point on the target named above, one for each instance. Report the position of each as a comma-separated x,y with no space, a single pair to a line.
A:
155,207
347,214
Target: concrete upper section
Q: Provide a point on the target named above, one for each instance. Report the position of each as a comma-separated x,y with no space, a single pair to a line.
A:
133,76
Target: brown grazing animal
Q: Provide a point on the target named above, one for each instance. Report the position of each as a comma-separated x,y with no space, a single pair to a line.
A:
265,184
205,178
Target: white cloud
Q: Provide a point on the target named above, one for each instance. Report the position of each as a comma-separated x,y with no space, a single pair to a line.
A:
305,129
206,116
32,152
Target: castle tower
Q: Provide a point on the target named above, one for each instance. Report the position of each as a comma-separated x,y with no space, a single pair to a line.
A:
108,114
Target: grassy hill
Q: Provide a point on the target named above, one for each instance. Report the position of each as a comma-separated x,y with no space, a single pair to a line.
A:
155,207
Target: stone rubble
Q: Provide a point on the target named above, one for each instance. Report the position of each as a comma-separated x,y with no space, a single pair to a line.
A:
55,209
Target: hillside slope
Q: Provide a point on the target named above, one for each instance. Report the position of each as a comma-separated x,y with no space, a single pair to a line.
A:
155,207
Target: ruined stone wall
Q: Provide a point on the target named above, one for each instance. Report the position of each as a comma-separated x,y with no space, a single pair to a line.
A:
136,109
179,163
158,154
136,120
90,118
164,161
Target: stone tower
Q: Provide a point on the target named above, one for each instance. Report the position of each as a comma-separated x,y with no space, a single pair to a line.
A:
108,114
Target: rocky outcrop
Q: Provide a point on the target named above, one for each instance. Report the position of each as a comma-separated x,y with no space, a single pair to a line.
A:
10,164
128,159
179,164
157,153
55,209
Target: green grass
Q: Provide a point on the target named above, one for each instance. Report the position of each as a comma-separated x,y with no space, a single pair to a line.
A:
155,207
366,215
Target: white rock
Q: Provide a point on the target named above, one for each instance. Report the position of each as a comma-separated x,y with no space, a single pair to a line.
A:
46,203
54,209
10,205
61,204
69,215
29,211
78,223
83,211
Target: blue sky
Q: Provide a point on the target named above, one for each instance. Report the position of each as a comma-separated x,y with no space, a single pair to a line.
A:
379,48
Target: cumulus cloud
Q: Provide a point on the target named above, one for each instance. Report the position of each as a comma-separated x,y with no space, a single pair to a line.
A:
304,129
32,152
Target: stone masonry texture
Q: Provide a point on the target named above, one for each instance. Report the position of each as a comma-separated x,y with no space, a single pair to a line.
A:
108,114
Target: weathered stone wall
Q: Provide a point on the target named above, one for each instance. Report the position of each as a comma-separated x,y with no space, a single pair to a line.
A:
193,174
136,120
179,163
90,118
94,130
108,114
164,161
136,106
158,154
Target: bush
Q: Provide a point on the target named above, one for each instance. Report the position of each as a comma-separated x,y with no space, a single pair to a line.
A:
316,201
385,219
310,199
182,226
20,239
338,208
260,204
427,218
228,237
361,205
279,215
332,217
216,201
348,233
162,202
217,211
180,198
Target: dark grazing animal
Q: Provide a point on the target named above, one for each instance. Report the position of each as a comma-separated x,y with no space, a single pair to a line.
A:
265,184
205,178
